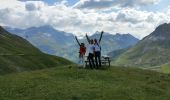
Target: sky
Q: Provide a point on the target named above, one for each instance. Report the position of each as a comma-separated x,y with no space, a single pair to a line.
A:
137,17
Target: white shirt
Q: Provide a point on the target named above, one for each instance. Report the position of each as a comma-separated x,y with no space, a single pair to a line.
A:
91,48
97,47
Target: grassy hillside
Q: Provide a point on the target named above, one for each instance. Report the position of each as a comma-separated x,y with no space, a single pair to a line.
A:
144,54
153,50
66,83
16,55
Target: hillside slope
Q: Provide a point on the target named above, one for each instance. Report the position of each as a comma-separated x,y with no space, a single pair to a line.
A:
153,50
63,83
16,55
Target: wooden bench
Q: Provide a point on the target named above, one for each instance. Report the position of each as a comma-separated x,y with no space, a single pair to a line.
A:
105,61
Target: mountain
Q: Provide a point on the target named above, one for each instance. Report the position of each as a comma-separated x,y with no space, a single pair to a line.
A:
17,54
153,50
52,41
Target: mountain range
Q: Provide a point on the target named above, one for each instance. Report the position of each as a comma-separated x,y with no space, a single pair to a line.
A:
52,41
153,50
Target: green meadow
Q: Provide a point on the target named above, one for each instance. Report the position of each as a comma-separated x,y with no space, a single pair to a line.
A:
72,83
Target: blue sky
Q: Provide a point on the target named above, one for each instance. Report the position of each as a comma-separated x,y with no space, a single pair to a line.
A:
163,4
71,2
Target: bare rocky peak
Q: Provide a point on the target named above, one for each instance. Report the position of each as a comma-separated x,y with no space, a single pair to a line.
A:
162,32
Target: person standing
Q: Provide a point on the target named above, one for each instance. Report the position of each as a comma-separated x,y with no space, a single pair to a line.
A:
82,51
97,51
97,54
91,52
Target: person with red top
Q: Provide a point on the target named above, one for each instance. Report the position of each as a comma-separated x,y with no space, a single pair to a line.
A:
82,51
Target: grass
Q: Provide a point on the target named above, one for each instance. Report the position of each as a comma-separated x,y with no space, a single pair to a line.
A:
165,68
71,83
17,63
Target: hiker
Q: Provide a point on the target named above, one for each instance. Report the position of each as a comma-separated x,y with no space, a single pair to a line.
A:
82,51
91,52
97,49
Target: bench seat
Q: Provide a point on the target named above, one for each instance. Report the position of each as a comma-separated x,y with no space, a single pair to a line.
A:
105,61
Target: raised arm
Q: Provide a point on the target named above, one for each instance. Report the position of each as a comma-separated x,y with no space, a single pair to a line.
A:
101,36
77,40
87,38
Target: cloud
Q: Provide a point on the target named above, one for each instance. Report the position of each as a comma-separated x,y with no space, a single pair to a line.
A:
100,4
20,17
34,5
78,21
